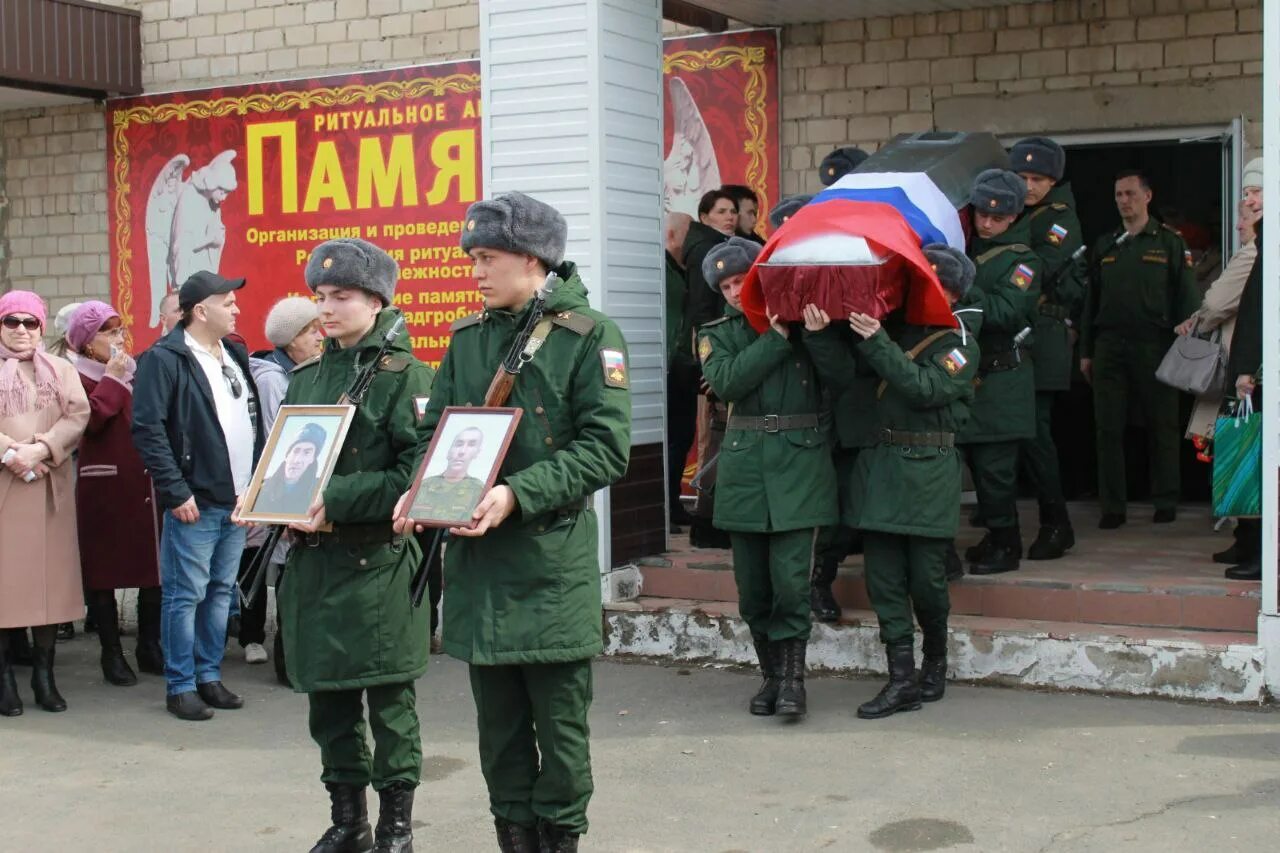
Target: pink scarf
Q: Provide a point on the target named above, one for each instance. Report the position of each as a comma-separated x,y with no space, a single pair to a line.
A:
15,396
96,371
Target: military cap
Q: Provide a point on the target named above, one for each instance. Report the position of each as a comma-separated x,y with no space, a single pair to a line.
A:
514,222
1039,154
785,209
352,262
732,257
954,269
312,433
998,192
839,163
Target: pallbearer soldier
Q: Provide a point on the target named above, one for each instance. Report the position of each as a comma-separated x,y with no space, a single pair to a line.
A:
839,163
906,489
785,209
1054,234
775,484
523,607
1008,276
351,637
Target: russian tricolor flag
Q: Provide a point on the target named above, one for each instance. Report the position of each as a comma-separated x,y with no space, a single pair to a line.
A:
857,247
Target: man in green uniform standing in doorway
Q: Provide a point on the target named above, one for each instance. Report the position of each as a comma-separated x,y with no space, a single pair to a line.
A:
1053,233
523,607
351,636
1145,286
1008,277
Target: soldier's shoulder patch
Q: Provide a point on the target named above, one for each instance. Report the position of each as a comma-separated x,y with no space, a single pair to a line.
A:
579,323
420,402
704,348
1057,205
1056,234
953,361
1190,261
308,363
1022,276
716,322
615,368
395,363
469,320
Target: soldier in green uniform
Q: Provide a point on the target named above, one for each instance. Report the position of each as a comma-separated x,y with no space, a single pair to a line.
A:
1145,287
906,489
351,636
1054,234
775,484
454,493
1003,415
523,607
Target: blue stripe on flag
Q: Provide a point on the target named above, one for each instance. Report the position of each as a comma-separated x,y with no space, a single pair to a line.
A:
916,218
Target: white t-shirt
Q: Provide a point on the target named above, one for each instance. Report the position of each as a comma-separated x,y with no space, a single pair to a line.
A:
233,414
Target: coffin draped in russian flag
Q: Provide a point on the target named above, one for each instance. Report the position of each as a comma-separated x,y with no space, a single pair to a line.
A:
857,245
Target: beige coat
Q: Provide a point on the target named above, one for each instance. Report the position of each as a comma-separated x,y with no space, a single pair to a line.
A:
1219,309
39,553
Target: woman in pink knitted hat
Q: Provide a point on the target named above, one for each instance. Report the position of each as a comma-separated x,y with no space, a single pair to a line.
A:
43,413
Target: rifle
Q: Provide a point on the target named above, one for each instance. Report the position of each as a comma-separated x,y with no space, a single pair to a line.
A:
354,396
521,353
1052,282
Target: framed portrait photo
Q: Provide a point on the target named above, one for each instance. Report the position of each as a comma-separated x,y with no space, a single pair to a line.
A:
461,464
296,463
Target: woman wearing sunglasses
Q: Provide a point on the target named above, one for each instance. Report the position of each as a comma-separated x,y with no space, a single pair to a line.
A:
119,540
43,412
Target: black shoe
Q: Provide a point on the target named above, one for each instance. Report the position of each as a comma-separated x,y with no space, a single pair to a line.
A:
66,631
1164,516
188,706
1231,556
1052,543
350,832
822,601
394,833
216,695
703,535
952,564
901,693
553,839
789,654
115,669
514,838
1247,571
1111,520
764,703
974,553
42,683
1004,555
10,701
933,678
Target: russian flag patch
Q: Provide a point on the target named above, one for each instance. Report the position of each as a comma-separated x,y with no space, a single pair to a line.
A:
1057,234
1022,276
954,362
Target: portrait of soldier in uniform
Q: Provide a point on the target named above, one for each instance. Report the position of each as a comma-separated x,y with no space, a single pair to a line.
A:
461,467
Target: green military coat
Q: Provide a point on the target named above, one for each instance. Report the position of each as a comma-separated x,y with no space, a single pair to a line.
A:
345,605
528,591
679,331
1145,287
767,482
851,383
1008,278
914,490
1054,234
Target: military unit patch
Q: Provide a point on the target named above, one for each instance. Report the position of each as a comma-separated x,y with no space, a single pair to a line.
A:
704,349
420,406
1056,234
1022,276
615,368
953,362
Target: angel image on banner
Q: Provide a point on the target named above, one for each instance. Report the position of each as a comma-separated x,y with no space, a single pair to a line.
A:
690,169
185,233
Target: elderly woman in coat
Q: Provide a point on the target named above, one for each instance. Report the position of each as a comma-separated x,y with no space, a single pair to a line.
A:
116,518
43,412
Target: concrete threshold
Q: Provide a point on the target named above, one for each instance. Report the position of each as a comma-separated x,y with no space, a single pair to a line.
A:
1211,666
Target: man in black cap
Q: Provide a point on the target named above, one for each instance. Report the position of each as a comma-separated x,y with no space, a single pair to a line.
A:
197,428
1054,234
839,163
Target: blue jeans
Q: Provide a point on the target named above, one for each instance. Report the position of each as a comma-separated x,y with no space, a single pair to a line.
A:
198,564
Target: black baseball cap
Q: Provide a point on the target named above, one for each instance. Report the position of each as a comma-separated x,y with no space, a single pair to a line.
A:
201,285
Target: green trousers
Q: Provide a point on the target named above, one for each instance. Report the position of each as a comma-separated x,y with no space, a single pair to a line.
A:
995,478
772,572
1124,368
337,723
1040,454
905,574
534,741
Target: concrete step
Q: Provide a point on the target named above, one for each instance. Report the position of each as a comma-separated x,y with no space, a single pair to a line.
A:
1217,666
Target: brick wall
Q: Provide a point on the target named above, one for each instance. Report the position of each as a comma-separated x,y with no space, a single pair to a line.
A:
1037,67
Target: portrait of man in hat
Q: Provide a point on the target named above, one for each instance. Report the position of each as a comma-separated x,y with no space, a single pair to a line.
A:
295,467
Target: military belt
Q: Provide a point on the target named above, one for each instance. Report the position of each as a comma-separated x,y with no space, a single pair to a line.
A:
773,423
998,362
1056,312
351,535
902,438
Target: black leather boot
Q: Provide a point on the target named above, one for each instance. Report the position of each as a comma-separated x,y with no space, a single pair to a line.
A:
766,698
933,668
822,601
951,563
150,654
10,701
394,833
901,693
350,832
1005,554
1055,537
974,553
553,839
115,669
792,701
42,683
514,838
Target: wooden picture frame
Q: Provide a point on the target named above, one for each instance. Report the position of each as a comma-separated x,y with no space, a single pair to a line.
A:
478,439
278,495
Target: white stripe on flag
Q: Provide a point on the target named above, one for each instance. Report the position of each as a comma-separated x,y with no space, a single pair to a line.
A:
922,192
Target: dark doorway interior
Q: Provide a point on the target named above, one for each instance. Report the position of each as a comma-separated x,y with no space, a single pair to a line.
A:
1186,181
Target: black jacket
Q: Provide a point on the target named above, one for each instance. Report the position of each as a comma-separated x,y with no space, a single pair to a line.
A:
1246,343
175,425
702,303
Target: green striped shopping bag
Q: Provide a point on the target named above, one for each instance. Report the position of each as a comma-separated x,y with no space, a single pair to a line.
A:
1237,463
